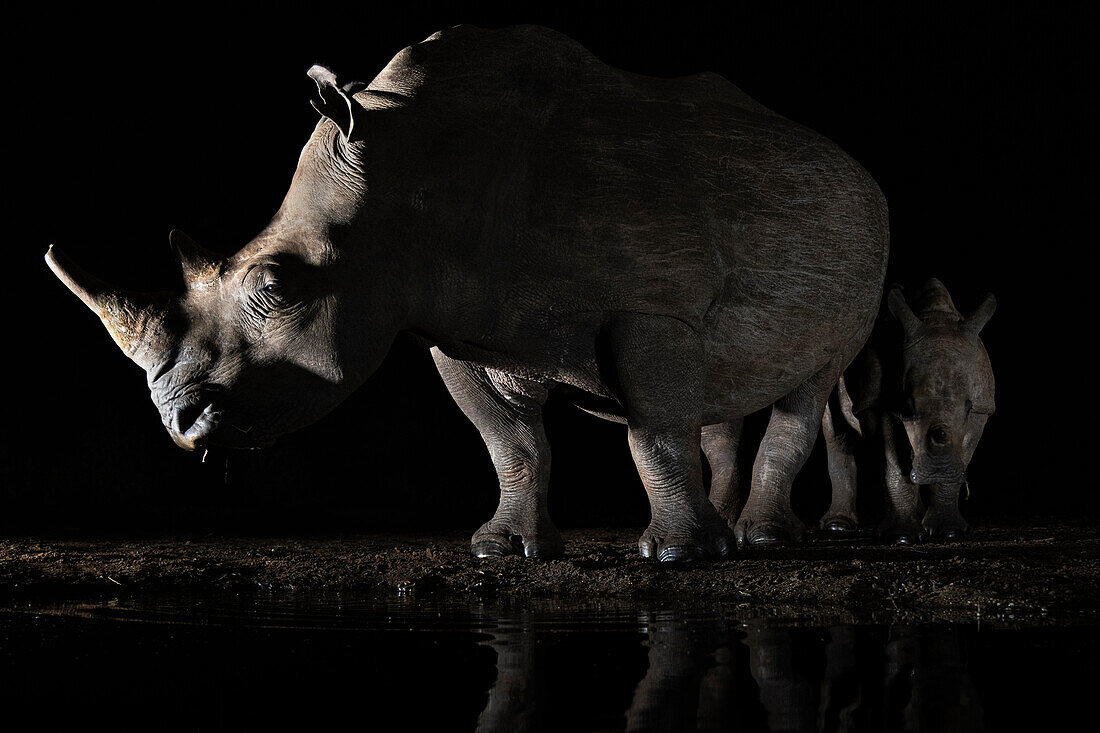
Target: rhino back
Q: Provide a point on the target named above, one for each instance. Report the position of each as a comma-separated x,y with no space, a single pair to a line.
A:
594,190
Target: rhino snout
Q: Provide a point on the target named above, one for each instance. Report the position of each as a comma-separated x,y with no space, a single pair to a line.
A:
191,421
937,472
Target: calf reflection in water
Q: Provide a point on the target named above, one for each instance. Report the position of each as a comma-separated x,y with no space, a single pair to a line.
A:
927,685
709,674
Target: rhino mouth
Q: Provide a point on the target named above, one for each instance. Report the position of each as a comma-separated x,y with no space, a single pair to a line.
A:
936,475
192,420
198,421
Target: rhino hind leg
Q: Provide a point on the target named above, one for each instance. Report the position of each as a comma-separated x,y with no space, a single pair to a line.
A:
659,368
508,414
721,446
943,520
767,518
840,443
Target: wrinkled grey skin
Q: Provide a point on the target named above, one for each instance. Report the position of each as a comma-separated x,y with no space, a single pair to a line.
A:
669,252
924,395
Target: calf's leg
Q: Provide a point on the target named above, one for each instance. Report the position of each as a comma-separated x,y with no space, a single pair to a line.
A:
721,445
767,517
943,520
901,522
840,444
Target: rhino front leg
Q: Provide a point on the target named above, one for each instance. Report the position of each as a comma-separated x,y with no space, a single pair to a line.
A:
721,446
943,520
659,369
768,518
508,413
901,523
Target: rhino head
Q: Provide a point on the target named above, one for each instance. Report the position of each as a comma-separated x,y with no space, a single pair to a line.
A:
947,382
264,341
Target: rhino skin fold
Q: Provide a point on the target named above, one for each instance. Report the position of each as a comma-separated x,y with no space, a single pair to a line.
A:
669,251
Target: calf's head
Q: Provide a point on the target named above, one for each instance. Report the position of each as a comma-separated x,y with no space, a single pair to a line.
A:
269,339
947,382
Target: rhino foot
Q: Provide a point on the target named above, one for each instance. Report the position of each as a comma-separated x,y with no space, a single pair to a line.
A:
710,543
766,531
493,540
839,523
909,532
730,515
899,537
949,534
948,529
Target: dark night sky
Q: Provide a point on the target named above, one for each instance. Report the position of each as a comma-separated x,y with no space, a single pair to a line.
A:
976,120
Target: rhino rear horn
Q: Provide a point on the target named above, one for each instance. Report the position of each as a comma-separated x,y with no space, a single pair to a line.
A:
197,263
335,103
976,321
895,301
130,318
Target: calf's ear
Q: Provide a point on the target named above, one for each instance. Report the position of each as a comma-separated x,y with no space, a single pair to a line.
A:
336,104
895,301
976,321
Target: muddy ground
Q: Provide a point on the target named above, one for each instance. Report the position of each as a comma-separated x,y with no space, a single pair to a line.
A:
1004,574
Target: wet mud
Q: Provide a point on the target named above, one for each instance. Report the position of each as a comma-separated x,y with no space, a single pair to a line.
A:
1005,574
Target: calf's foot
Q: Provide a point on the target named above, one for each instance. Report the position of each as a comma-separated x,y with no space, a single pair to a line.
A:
944,525
901,530
943,520
840,522
760,528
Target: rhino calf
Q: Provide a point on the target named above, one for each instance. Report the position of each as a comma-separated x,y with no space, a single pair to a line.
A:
669,252
925,395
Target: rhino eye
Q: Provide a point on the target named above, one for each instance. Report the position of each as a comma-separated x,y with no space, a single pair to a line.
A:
273,288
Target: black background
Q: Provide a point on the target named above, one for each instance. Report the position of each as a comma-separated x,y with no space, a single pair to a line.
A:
976,120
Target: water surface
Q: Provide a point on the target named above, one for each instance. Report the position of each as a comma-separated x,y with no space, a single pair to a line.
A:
283,661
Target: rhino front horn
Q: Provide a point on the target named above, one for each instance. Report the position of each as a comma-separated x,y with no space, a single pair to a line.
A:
196,262
130,318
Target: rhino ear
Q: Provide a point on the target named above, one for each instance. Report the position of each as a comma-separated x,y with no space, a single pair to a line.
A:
976,321
336,104
895,301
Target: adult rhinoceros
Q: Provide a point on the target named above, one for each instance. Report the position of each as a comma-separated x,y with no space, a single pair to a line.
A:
669,251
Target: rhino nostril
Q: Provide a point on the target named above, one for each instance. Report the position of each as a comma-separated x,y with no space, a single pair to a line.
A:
187,415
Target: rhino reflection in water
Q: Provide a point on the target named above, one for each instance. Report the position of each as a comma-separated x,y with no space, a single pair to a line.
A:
669,251
714,674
